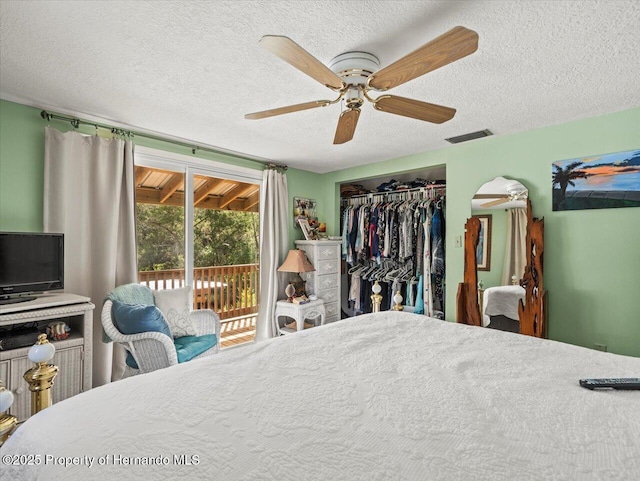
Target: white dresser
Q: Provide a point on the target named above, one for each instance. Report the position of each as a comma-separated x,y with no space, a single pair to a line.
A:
324,282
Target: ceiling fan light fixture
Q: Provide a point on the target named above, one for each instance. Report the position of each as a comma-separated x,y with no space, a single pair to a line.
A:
353,98
353,74
354,67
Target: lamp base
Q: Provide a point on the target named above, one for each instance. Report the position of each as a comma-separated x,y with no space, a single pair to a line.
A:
290,290
299,285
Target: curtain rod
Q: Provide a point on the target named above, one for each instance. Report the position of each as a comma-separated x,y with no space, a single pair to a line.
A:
278,167
75,122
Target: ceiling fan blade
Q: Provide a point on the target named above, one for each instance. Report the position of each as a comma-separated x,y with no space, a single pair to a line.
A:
346,126
449,47
491,196
287,110
295,55
414,108
496,202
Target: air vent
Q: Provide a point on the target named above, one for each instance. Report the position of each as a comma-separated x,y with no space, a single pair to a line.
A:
471,136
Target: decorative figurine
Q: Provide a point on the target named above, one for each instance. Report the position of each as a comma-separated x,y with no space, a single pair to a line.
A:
58,331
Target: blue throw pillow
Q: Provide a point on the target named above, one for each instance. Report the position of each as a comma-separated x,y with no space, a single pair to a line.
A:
136,318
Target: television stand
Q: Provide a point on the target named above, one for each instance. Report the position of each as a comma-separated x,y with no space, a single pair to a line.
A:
15,300
73,355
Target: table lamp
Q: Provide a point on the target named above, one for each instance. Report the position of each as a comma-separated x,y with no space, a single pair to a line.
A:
295,262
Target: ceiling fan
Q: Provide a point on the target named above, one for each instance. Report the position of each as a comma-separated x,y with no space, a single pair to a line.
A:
511,195
354,74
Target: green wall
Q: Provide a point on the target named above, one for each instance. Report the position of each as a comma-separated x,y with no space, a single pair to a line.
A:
21,167
592,262
21,172
591,259
304,184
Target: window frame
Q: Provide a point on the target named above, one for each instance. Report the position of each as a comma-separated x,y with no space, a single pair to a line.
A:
190,166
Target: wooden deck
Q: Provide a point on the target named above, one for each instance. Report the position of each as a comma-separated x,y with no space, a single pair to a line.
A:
239,330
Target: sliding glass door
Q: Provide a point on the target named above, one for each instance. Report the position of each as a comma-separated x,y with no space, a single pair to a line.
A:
225,245
198,225
160,228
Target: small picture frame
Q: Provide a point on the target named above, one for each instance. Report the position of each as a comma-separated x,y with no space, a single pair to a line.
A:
306,229
483,251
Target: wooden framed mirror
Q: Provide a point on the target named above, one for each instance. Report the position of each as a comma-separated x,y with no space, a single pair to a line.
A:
509,295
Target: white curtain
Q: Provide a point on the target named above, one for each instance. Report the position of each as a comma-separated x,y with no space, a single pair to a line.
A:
274,246
515,254
89,196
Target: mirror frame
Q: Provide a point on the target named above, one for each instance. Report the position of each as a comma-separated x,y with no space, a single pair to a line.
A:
533,312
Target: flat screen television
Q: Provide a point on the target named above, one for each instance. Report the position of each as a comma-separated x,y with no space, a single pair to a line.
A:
30,262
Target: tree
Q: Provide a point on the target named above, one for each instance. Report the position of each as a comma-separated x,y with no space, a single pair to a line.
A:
565,177
220,237
160,237
224,237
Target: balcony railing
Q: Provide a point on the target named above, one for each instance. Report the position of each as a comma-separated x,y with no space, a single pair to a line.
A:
231,291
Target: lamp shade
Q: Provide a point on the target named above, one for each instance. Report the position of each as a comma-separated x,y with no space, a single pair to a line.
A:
296,261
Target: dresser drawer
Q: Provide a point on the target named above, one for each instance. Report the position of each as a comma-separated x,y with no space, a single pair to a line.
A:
328,266
332,311
328,252
317,252
329,295
324,283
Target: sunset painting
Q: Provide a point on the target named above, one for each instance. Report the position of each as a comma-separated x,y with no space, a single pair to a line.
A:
598,182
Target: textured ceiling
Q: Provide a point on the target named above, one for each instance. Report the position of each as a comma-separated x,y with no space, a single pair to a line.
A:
192,69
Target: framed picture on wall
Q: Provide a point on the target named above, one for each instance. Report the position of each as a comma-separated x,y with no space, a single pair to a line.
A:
304,208
483,251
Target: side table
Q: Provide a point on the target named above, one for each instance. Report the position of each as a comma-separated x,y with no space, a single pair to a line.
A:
299,312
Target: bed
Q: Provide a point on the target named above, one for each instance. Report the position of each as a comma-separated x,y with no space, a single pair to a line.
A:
386,396
501,301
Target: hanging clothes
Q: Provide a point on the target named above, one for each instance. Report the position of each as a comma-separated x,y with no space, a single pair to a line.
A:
427,291
398,240
437,262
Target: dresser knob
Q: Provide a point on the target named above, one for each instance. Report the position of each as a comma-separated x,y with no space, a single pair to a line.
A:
19,391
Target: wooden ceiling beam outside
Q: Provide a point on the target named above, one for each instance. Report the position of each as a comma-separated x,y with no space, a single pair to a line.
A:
213,203
145,195
141,173
203,192
251,201
171,186
238,191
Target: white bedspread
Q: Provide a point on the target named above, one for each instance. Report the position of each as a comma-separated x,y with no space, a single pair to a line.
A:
393,396
501,300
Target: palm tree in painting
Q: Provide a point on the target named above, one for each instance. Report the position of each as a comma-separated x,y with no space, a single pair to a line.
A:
564,177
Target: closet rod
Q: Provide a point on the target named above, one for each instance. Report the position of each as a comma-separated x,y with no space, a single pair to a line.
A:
75,122
401,191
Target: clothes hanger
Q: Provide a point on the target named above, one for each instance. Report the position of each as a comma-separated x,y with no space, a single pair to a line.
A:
355,269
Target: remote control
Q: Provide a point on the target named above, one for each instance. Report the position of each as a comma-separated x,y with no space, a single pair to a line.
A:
612,383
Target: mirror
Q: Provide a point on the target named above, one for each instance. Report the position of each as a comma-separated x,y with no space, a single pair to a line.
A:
501,206
504,290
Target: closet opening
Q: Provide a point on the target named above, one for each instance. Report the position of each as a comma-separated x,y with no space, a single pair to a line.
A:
393,230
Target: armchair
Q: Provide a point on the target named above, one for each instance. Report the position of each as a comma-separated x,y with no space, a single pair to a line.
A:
152,350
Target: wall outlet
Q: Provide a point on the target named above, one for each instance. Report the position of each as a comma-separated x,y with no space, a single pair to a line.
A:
457,241
600,347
